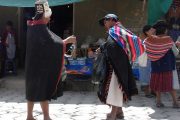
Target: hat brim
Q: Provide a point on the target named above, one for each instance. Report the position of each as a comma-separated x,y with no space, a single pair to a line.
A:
101,22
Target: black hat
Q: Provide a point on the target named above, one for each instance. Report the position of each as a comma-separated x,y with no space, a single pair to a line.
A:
108,16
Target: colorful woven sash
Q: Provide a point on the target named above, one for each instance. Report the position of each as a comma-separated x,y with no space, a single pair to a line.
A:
128,41
157,47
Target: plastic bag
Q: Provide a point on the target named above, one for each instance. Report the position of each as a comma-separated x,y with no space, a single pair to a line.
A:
142,60
175,80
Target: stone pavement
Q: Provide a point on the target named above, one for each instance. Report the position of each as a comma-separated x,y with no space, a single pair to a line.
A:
79,105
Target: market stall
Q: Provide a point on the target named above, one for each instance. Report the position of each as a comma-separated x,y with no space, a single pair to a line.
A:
79,64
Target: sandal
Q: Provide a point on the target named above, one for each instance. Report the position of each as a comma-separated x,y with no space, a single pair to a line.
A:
118,116
153,93
176,105
149,95
110,118
159,105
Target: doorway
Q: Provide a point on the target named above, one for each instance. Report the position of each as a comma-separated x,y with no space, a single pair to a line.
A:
62,20
61,24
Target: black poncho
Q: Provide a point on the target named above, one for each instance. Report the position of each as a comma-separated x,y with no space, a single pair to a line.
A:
117,60
44,62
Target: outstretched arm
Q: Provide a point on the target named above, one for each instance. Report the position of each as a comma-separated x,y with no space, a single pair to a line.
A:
71,39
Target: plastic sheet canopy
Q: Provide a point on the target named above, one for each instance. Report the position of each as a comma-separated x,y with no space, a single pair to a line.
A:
30,3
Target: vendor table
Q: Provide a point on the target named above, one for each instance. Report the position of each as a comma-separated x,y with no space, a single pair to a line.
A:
79,72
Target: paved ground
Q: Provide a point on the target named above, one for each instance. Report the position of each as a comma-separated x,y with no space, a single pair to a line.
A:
79,105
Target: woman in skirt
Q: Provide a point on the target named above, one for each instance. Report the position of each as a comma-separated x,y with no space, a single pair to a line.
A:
159,50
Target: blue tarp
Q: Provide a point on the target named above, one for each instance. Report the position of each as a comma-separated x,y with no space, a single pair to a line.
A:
80,66
30,3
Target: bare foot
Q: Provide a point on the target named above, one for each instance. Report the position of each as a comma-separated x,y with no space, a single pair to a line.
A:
30,119
47,118
110,116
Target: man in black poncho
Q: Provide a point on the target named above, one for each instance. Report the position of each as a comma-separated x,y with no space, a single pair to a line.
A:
117,85
44,61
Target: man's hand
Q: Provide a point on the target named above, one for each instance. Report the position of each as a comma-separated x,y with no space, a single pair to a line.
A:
98,51
71,39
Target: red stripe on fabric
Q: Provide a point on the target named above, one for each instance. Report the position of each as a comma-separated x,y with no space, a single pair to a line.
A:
162,82
117,31
60,72
141,46
64,49
153,56
155,51
35,22
158,45
158,48
132,48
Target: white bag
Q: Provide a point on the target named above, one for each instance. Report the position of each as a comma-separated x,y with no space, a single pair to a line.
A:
175,50
142,60
175,80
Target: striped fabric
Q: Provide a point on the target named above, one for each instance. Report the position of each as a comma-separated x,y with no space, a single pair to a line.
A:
162,82
128,41
157,47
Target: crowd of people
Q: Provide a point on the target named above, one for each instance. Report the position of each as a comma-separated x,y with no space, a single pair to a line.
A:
162,74
157,64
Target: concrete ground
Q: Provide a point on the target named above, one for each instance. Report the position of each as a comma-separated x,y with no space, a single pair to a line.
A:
78,105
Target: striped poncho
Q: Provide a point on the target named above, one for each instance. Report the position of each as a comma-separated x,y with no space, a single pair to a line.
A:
157,47
128,41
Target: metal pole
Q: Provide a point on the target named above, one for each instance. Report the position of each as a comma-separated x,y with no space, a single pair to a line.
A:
19,26
73,18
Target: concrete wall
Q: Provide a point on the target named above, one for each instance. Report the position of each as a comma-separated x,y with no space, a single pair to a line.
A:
88,12
131,14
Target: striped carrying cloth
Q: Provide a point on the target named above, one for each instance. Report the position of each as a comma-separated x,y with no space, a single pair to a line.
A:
128,41
157,47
